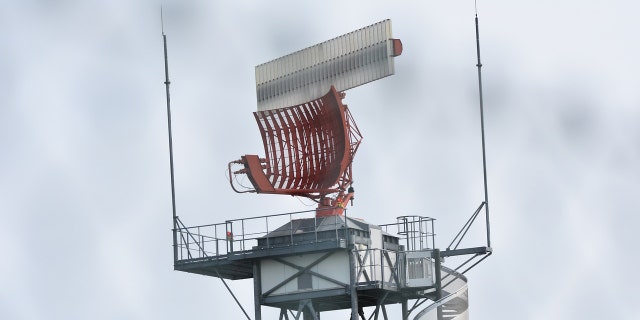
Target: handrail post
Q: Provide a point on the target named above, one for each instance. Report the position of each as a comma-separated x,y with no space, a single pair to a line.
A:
433,235
229,236
290,229
346,229
215,237
242,248
382,269
338,228
266,221
200,249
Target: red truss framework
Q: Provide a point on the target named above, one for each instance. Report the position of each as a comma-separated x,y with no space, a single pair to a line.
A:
309,150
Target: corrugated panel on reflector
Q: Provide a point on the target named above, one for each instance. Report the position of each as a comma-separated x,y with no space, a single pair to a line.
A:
345,62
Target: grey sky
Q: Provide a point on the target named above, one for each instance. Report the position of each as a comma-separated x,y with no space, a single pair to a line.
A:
84,176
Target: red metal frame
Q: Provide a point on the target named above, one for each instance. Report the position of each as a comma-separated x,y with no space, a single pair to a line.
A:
308,149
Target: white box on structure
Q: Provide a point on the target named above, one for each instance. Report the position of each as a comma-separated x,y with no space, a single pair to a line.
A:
360,254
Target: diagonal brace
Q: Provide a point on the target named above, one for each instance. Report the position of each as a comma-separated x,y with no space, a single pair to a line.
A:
392,267
297,274
311,272
361,266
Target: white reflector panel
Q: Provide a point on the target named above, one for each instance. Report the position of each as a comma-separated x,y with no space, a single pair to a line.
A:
345,62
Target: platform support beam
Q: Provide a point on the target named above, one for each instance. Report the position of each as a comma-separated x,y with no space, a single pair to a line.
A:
438,266
352,285
257,290
405,309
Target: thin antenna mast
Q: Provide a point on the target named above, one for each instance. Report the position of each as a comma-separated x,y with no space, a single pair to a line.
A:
173,188
484,157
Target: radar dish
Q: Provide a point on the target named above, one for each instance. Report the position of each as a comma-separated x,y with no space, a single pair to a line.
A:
309,146
309,149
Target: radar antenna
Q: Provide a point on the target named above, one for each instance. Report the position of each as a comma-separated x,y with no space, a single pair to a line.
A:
176,220
484,156
310,137
173,188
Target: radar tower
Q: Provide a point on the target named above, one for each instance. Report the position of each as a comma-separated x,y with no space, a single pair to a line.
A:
308,262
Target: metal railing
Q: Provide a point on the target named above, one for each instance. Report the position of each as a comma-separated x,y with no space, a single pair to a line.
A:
415,232
241,236
200,241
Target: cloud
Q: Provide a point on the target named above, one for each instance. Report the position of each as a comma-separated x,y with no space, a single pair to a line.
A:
85,191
